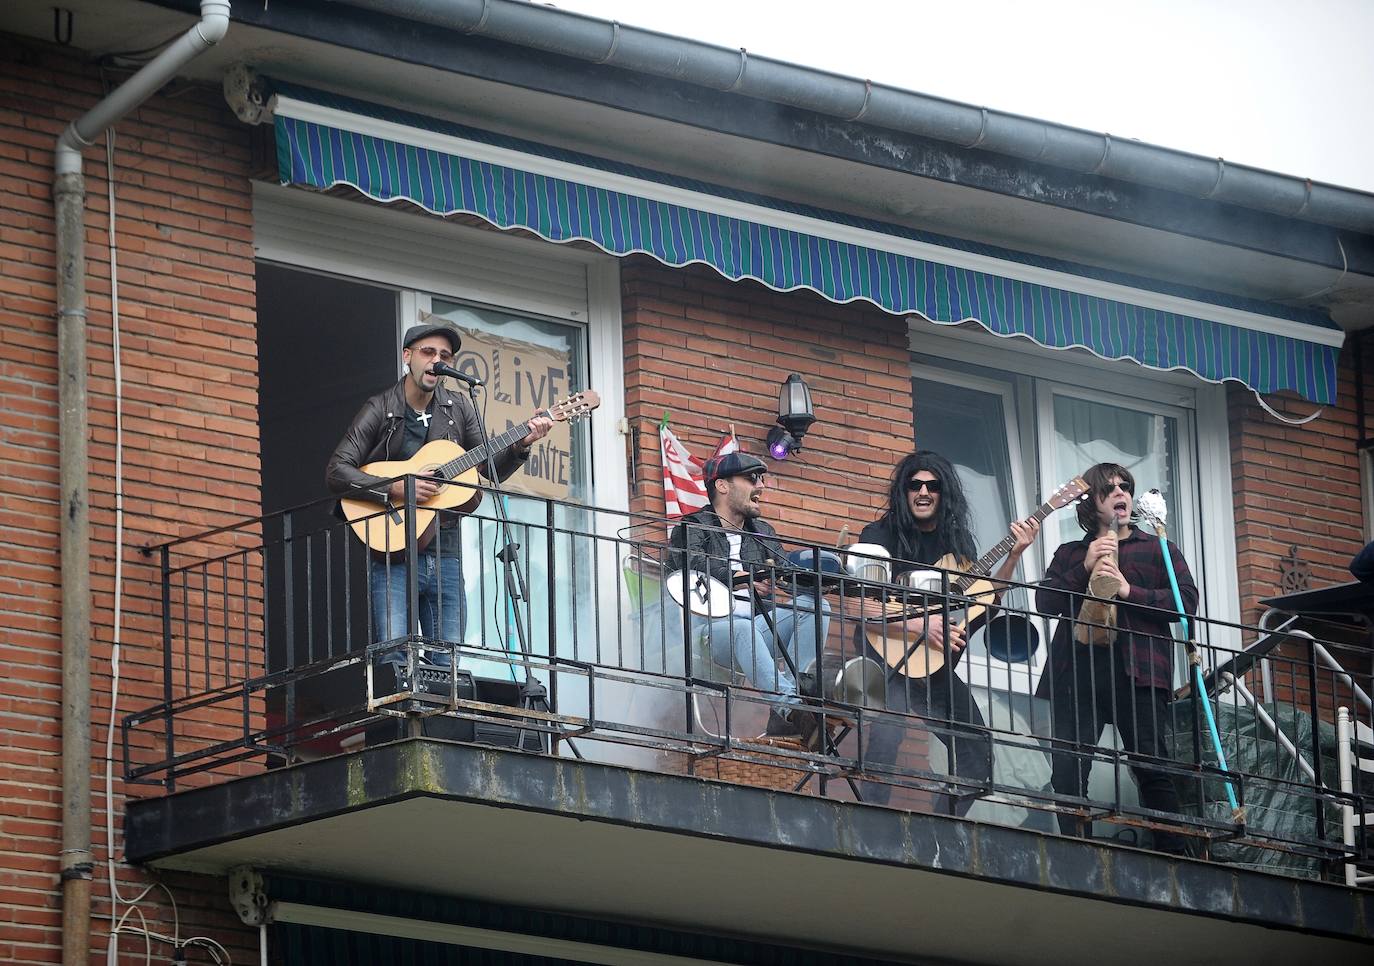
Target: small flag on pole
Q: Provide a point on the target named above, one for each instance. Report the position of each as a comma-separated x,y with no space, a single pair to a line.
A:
727,444
684,489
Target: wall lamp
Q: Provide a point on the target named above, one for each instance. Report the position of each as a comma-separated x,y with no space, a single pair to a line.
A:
795,417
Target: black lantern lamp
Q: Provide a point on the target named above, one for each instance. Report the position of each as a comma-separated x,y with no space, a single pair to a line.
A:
795,417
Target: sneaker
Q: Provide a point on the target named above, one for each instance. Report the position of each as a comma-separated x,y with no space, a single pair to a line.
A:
781,726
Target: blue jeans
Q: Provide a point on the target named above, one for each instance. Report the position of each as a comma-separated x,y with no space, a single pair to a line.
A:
746,644
442,604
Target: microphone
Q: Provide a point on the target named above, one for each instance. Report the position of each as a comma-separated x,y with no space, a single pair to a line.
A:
444,369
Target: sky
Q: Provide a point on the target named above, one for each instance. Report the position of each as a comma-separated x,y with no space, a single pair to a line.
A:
1287,86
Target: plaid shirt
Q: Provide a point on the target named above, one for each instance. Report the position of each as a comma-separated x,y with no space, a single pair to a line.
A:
1143,641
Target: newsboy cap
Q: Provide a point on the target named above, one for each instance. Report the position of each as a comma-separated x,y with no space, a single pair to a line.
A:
415,333
732,464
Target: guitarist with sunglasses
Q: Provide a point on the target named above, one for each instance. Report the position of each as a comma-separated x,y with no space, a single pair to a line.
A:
927,518
391,426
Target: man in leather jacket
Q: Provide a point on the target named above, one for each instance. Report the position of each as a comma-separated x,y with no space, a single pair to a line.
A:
726,540
393,425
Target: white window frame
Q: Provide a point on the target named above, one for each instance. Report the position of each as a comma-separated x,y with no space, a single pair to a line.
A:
1183,529
352,255
1215,535
988,671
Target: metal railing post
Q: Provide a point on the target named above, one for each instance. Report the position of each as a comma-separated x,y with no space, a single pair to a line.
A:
288,606
1315,710
169,738
412,558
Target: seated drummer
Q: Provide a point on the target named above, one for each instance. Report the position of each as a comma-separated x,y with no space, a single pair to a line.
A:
927,518
726,540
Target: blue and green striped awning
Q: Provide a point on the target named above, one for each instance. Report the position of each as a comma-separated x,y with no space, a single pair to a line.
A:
325,141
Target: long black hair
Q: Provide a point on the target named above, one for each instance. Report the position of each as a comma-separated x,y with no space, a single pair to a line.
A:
952,521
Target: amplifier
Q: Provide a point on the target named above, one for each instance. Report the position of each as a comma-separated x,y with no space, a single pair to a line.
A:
434,680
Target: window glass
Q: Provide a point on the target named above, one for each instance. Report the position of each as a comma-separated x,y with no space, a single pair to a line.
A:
968,427
1087,432
528,364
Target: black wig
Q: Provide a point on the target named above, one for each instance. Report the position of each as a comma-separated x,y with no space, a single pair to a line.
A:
951,523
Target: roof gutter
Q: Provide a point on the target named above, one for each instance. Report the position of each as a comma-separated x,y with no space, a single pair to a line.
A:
69,202
607,42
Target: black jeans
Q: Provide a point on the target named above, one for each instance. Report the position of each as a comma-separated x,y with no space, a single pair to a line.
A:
942,697
1092,692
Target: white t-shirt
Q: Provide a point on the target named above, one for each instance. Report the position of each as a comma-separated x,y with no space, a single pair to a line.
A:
744,597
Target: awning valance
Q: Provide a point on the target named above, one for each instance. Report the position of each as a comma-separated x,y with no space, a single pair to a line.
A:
324,141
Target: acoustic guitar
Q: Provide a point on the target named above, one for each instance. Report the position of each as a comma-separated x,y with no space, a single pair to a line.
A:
384,527
918,658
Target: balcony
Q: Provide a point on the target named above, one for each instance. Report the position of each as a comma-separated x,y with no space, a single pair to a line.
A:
593,754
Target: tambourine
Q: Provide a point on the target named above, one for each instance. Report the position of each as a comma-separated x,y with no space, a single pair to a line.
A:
700,593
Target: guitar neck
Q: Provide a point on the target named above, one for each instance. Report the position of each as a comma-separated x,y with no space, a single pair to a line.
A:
984,565
477,456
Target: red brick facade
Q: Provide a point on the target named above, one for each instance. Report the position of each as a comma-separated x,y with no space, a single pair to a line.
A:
713,353
1295,486
190,454
709,351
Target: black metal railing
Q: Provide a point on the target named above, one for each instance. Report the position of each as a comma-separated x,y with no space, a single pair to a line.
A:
284,638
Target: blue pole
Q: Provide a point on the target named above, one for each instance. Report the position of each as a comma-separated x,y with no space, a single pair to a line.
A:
1198,685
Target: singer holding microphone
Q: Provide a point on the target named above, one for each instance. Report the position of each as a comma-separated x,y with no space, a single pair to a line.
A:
1123,678
393,425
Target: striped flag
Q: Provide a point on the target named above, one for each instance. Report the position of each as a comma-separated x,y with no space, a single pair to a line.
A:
684,490
727,444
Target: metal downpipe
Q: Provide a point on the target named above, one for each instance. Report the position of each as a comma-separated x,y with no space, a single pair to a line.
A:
69,202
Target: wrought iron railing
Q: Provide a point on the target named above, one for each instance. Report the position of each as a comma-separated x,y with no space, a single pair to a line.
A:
272,653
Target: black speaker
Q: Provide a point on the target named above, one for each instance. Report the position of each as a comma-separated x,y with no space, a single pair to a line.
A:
434,680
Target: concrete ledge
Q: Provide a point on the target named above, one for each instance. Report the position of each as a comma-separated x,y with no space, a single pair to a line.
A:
216,826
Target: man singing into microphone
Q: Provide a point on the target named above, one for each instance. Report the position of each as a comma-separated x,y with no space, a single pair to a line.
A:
1125,678
393,425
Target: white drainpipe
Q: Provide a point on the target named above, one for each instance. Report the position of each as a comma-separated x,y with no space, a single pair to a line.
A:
69,200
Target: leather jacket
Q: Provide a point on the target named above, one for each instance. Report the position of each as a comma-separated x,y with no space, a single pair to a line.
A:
379,427
700,543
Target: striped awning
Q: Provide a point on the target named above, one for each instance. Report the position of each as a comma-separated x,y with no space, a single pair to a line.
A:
325,141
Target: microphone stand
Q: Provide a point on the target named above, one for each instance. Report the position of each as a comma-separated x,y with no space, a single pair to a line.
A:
533,695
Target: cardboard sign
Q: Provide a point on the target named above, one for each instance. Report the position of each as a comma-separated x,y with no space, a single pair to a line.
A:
522,378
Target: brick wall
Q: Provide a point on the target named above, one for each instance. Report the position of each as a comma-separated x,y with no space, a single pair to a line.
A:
1297,487
714,352
190,441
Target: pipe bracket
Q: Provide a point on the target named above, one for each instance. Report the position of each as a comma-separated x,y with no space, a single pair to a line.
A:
615,42
743,64
81,870
868,96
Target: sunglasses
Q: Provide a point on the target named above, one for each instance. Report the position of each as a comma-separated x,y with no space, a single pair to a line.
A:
755,477
1110,488
429,352
930,486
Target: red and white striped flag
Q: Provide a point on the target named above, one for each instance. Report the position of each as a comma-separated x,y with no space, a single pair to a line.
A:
727,444
684,489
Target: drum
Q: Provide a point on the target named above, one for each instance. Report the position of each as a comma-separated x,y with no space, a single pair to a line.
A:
1012,638
869,562
858,681
702,594
925,581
